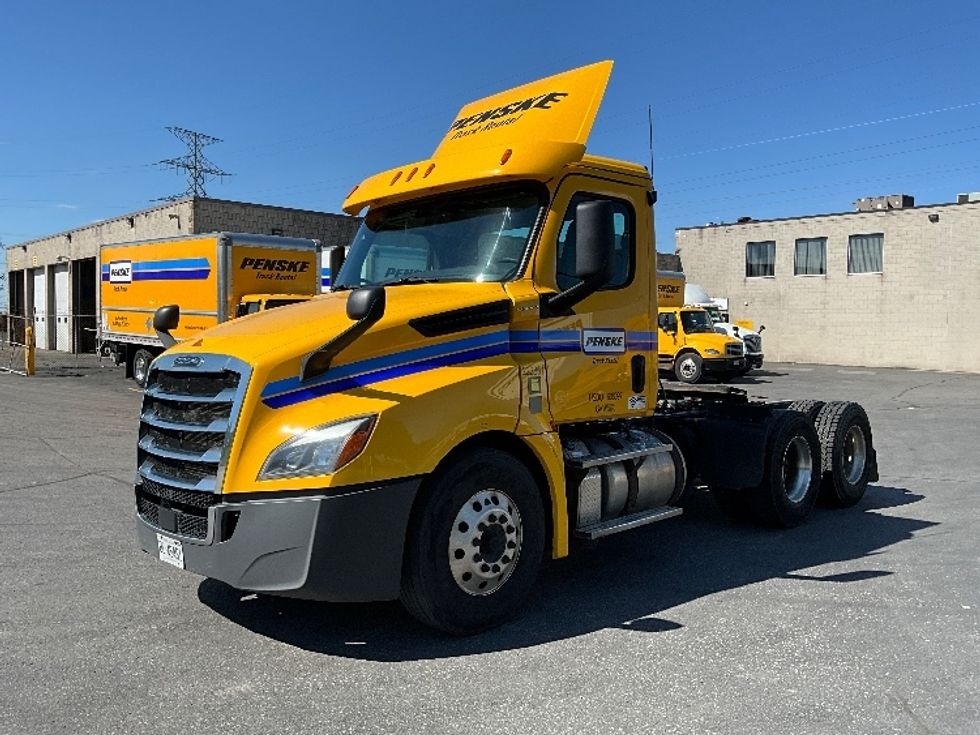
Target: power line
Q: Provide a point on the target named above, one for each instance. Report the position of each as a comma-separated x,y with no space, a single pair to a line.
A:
197,166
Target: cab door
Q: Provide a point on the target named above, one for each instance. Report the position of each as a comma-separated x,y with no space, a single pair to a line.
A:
601,358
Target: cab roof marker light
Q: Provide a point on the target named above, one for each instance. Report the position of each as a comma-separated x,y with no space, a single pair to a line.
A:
395,178
428,171
411,174
506,156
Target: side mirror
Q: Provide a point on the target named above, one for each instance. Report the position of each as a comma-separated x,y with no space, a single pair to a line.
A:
165,319
595,242
365,306
762,328
335,259
366,303
735,330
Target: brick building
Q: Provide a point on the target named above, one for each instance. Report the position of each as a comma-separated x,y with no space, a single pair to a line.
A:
892,286
54,278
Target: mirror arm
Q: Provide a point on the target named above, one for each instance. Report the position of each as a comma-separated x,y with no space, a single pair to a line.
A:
318,361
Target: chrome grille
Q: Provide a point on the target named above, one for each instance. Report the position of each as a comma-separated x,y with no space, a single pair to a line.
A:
734,349
187,422
753,343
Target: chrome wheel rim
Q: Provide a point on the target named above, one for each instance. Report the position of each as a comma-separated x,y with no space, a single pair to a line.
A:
140,368
797,469
855,454
485,542
687,367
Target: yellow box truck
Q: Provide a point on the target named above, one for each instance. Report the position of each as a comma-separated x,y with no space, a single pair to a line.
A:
689,347
478,389
211,278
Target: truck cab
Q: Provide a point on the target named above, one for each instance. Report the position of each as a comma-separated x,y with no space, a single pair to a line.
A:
688,345
478,388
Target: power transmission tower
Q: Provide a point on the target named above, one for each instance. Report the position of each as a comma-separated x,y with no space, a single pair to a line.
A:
199,169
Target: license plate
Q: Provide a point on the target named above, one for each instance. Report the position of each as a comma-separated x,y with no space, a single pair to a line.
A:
740,363
171,550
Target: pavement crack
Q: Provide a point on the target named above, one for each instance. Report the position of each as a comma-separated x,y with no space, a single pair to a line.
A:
905,707
51,482
911,388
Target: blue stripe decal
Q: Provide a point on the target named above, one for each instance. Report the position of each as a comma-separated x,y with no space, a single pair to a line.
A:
396,371
187,275
159,265
387,361
291,391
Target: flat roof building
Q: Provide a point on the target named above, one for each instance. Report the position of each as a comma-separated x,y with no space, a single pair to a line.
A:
894,285
53,280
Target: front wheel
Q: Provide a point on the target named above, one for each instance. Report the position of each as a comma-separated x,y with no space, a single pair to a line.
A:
477,544
688,367
141,366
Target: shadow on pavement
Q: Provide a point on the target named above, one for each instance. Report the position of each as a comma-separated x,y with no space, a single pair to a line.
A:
623,582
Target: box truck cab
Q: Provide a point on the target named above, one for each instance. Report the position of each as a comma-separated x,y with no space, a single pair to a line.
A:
211,278
688,345
478,389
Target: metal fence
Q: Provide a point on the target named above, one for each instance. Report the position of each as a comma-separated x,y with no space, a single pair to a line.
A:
64,343
12,344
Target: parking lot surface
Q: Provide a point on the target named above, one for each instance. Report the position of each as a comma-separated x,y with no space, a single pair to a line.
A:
860,621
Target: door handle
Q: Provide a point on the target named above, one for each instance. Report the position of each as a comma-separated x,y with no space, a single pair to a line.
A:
639,373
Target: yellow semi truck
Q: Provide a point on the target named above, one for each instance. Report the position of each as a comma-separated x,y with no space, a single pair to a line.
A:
478,389
211,277
688,345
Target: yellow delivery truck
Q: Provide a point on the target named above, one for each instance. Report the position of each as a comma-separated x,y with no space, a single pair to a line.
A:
689,347
478,389
211,278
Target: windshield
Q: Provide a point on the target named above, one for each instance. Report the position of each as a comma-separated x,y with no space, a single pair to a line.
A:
714,313
696,321
474,236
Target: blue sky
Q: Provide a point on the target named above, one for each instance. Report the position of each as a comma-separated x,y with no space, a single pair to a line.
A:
761,108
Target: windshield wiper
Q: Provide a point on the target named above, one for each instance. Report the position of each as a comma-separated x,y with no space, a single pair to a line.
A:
408,280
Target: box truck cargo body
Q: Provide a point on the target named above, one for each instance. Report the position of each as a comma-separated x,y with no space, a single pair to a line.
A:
212,278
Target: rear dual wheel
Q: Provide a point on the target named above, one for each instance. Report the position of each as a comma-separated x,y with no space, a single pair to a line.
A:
847,452
791,476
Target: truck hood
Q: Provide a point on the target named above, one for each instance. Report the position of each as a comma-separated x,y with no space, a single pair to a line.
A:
290,332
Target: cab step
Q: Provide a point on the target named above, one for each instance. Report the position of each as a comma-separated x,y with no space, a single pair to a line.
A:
626,523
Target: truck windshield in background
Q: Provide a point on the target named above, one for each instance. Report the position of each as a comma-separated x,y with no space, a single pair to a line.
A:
696,321
474,236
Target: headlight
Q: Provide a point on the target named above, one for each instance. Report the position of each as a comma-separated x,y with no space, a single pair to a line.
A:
710,351
319,451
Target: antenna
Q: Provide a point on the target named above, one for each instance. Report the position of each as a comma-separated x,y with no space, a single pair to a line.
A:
650,127
195,163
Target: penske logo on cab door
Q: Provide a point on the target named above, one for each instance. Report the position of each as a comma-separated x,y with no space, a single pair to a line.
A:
603,341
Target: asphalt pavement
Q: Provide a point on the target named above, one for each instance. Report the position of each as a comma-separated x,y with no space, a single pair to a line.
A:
860,621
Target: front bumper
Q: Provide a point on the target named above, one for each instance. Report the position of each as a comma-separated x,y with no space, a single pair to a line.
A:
722,364
754,361
345,546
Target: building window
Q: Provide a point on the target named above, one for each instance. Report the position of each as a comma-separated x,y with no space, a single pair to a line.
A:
811,257
760,259
864,253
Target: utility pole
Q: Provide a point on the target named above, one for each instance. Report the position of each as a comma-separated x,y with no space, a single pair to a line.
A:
199,169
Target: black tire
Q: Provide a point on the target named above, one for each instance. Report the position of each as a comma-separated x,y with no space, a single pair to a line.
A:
432,584
688,367
847,452
141,366
808,408
791,479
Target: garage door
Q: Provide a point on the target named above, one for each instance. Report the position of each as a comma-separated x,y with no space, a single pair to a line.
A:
40,309
62,310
